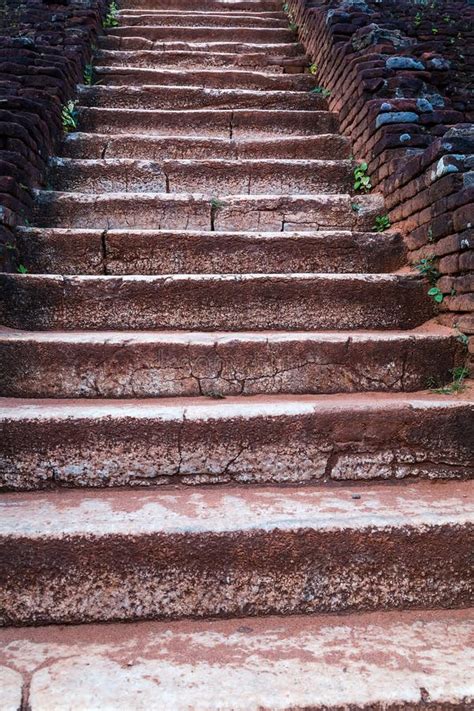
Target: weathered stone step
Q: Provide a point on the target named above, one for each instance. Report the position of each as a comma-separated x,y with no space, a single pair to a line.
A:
164,364
277,50
103,556
199,5
178,211
210,33
232,79
267,176
247,440
179,18
88,251
191,97
143,146
214,302
229,124
179,662
198,59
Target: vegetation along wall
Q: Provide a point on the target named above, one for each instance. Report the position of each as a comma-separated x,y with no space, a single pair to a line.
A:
400,74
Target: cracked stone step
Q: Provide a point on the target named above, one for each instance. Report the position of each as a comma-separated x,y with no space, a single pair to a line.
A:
146,147
158,18
192,97
373,660
200,5
210,33
267,176
185,211
277,439
154,364
221,123
102,556
278,50
207,78
214,302
196,58
82,251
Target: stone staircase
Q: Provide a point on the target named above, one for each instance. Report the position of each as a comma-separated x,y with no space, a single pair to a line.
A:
207,304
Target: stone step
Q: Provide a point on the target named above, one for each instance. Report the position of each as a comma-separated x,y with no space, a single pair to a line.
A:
180,18
198,59
184,211
363,661
191,97
208,177
87,251
167,364
212,302
230,124
209,33
200,5
102,556
279,50
245,440
145,147
231,79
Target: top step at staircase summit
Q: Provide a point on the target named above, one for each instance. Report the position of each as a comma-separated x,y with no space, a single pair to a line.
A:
214,401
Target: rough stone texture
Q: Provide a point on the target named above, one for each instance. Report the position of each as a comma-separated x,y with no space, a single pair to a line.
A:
395,661
93,251
149,147
123,555
190,364
210,177
11,685
214,302
260,439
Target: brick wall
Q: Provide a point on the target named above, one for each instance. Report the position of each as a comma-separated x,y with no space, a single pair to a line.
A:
400,73
44,47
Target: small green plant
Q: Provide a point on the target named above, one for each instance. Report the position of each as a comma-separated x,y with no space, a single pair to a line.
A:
325,93
381,223
69,115
462,338
216,203
428,270
418,19
313,68
355,207
111,18
22,269
89,74
362,181
285,7
293,27
434,30
436,294
457,384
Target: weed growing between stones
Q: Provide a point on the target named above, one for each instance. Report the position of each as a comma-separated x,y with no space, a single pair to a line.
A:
111,18
428,270
325,93
88,74
69,116
457,385
436,294
362,182
381,223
